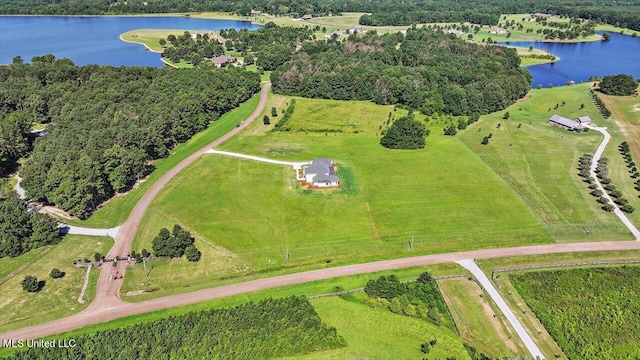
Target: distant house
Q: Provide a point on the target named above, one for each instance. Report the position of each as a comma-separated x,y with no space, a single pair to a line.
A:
541,15
220,39
201,33
222,60
455,32
337,32
321,173
327,35
307,17
497,30
354,29
565,123
256,12
584,120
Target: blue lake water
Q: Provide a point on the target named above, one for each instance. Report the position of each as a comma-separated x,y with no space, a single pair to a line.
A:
579,61
92,40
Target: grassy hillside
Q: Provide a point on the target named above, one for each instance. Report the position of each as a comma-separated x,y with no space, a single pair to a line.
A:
443,196
539,161
58,298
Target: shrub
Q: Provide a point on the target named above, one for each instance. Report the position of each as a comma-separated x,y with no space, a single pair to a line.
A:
30,284
56,273
192,253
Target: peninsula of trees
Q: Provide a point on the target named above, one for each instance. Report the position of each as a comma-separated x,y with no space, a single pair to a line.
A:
425,69
106,124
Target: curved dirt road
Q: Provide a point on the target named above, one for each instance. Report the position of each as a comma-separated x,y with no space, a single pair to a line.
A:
111,277
95,314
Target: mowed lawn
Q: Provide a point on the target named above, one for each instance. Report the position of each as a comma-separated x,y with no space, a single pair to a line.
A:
58,298
380,334
444,196
539,161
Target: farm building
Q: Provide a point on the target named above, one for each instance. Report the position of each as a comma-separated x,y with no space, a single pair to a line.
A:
321,173
497,30
565,123
455,32
307,17
584,120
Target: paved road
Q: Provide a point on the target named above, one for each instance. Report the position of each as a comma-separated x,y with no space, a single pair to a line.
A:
625,220
295,165
110,311
77,230
502,305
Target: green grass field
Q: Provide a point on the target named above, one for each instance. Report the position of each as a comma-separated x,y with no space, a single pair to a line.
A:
539,161
625,112
478,320
59,297
592,313
399,338
116,211
444,196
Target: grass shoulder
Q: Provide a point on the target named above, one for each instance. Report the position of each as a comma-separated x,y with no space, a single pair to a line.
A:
58,298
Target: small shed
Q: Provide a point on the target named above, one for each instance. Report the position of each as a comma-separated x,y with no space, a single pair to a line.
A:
307,17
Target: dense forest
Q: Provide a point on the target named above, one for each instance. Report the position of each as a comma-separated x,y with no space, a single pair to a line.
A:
425,69
625,13
21,231
264,330
271,45
106,124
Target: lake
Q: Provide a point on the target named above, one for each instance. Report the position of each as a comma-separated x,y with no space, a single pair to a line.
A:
579,61
93,40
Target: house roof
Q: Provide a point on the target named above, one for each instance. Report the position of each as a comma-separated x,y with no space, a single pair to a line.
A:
584,119
497,30
222,59
455,31
319,166
307,17
541,15
325,178
565,122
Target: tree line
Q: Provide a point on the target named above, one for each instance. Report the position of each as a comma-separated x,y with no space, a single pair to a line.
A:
21,231
625,13
267,329
425,69
106,124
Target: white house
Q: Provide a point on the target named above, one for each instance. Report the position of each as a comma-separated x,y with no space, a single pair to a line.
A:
321,173
497,30
455,32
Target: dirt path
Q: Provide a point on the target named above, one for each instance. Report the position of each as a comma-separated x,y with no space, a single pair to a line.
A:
111,277
110,311
84,286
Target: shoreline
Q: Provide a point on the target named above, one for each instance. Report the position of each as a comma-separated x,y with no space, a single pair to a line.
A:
148,49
